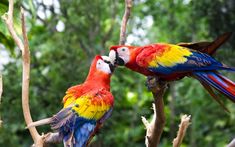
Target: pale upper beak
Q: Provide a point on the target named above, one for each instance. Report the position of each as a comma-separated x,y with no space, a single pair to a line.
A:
112,56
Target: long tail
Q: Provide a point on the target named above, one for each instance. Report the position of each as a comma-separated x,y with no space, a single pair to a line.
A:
218,82
214,45
75,130
208,47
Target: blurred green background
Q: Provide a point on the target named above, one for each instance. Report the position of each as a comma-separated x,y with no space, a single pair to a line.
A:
65,35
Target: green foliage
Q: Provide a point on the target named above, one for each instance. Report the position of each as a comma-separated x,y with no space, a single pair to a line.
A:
65,38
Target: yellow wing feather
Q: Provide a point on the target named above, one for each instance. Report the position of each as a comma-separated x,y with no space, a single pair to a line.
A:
172,56
84,107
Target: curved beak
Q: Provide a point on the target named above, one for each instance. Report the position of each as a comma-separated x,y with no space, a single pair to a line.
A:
107,60
115,59
112,67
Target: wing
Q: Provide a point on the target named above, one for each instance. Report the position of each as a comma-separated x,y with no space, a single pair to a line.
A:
199,46
99,124
94,104
77,121
73,93
169,59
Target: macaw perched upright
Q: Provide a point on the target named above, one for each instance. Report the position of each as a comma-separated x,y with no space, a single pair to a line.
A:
172,62
86,106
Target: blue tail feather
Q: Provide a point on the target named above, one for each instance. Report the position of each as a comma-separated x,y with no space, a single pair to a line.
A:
224,67
217,81
75,130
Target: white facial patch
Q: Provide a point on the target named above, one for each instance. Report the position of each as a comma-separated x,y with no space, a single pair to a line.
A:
101,65
124,53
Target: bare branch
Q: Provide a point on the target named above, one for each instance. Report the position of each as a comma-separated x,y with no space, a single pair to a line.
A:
182,129
25,81
145,122
124,21
53,138
8,18
39,122
155,127
24,47
232,143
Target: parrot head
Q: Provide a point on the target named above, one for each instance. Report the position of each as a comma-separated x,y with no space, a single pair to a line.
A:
121,55
100,72
103,64
100,67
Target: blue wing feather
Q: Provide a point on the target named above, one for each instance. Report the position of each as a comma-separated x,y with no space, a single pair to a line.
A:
195,62
74,129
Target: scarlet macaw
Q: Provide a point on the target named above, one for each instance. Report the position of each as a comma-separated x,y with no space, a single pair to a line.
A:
86,106
171,62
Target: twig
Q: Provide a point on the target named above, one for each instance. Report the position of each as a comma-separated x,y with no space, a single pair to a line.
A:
25,82
154,129
53,138
232,143
182,129
124,21
24,47
8,18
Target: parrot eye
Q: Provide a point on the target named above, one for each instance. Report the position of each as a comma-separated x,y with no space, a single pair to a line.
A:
123,54
101,65
123,49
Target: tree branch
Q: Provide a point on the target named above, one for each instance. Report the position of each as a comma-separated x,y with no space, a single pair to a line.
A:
24,47
8,18
232,143
182,130
25,82
154,128
124,21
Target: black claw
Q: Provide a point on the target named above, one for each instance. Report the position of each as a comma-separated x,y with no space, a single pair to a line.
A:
112,67
151,82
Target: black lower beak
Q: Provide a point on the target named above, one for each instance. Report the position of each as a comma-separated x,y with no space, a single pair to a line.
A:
112,67
118,60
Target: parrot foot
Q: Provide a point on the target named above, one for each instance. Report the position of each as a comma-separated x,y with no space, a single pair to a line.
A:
154,83
151,82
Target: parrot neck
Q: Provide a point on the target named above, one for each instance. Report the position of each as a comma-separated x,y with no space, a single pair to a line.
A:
99,79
